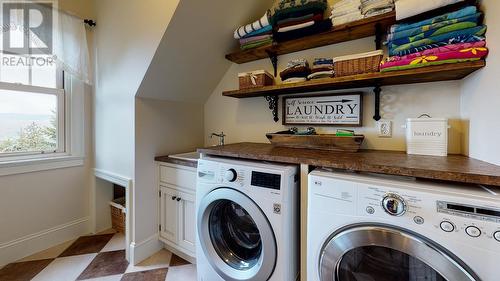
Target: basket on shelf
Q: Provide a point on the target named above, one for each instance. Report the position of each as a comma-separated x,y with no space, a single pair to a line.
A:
255,79
118,214
358,63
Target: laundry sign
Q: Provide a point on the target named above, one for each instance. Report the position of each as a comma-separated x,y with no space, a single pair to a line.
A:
324,109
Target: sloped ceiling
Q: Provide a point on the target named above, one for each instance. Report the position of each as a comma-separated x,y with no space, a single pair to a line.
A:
189,61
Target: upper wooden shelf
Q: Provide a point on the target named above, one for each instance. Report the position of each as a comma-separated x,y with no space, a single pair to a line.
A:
346,32
444,72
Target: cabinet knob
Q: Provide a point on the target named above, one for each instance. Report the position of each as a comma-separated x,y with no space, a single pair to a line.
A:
179,199
174,197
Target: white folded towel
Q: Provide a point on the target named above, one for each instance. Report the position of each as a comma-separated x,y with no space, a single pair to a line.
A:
410,8
295,27
336,21
256,25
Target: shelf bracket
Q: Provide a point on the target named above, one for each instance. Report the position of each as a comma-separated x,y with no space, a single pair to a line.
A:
377,90
274,60
273,106
379,33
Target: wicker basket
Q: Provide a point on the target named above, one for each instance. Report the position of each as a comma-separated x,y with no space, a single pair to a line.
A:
255,79
118,214
358,64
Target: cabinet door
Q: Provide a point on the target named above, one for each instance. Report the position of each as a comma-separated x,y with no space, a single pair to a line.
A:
169,214
187,219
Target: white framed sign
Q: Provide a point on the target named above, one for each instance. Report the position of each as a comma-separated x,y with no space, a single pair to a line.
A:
324,109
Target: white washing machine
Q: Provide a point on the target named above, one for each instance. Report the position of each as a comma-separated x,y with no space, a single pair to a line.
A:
376,228
247,221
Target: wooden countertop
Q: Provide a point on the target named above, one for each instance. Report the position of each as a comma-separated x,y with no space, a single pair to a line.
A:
451,168
167,159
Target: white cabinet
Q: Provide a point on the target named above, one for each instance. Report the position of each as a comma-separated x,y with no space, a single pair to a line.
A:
177,186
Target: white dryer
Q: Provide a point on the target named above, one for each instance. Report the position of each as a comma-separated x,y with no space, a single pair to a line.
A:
247,221
378,228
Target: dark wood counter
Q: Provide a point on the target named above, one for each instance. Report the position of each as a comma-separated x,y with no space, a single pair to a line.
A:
167,159
455,168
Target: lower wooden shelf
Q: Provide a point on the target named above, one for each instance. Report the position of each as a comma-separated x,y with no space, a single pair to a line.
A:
437,73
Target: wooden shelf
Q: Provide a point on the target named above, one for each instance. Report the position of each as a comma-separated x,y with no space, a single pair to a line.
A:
343,33
445,72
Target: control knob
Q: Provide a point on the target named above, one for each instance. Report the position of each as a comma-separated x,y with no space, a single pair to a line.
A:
394,204
230,175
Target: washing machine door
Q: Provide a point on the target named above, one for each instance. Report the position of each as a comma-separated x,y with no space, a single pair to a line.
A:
386,253
236,236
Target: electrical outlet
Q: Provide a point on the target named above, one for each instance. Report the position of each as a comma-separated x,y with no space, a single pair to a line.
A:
384,129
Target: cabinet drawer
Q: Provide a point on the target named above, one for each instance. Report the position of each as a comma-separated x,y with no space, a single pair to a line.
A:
182,177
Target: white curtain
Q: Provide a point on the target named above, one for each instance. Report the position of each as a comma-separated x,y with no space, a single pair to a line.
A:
71,48
69,38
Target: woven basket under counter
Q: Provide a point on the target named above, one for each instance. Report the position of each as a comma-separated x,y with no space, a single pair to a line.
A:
358,63
118,214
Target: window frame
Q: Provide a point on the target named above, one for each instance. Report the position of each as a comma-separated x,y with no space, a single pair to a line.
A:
70,152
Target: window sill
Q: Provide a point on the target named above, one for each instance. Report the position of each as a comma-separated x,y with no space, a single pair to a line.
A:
39,164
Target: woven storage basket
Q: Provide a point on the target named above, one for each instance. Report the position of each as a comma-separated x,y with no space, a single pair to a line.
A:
255,79
118,214
358,64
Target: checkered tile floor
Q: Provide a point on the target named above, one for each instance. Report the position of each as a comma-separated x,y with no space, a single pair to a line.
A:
98,258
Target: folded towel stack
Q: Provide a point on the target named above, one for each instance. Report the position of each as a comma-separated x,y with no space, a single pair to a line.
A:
322,68
346,11
296,70
450,38
409,8
370,8
298,18
256,34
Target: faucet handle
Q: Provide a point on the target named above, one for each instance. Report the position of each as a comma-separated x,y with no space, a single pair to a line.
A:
220,136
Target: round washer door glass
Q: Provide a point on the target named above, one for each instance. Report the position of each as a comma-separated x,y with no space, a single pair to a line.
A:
378,252
234,235
383,264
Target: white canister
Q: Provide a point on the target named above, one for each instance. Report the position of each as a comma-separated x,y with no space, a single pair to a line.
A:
427,136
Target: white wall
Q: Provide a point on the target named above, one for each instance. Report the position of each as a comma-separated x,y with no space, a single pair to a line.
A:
45,208
127,35
481,97
162,128
250,119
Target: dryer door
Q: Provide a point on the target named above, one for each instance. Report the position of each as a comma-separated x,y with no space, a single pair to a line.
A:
236,236
386,253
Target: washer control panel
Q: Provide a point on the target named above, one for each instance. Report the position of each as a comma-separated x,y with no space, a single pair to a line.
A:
467,222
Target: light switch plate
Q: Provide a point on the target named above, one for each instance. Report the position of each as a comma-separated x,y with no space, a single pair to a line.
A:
384,129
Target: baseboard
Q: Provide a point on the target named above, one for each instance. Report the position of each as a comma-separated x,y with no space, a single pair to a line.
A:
145,249
30,244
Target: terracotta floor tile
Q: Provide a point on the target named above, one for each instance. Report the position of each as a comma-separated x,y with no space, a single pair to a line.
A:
177,261
105,264
151,275
22,271
87,245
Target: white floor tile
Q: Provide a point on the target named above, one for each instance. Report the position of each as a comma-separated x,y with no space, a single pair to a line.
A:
184,273
116,243
50,253
107,278
159,260
65,269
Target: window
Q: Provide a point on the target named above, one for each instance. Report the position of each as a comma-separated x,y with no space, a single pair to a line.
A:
32,107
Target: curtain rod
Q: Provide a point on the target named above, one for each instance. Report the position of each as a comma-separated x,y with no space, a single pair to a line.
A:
90,22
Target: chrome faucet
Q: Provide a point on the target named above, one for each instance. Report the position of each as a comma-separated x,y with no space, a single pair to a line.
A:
221,137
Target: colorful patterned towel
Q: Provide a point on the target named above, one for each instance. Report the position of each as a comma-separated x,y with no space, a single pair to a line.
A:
438,50
455,40
418,30
284,9
462,55
432,33
257,44
255,39
475,31
242,31
266,30
467,11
